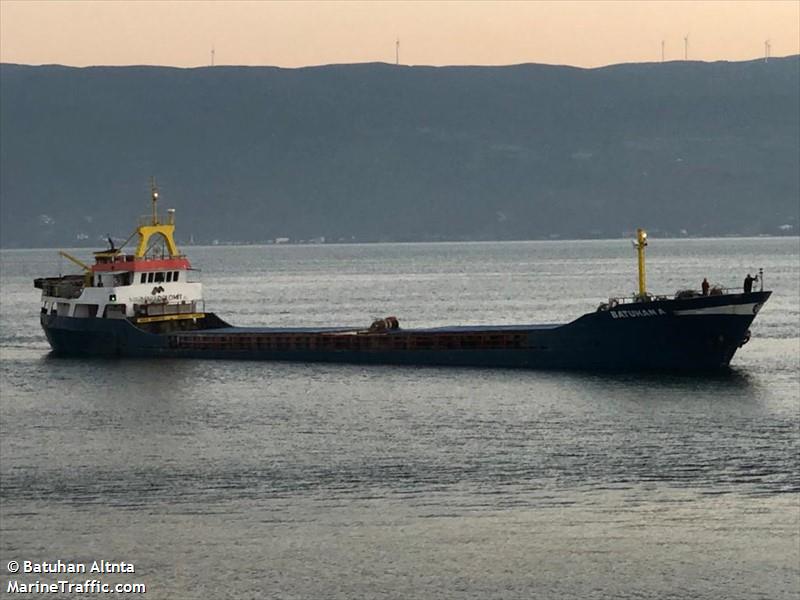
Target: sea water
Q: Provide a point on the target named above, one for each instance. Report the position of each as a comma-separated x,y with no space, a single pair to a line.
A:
223,479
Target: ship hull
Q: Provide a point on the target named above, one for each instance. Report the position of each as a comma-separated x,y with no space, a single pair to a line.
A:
700,333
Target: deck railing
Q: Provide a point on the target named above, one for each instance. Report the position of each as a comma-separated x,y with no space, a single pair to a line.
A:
123,258
716,290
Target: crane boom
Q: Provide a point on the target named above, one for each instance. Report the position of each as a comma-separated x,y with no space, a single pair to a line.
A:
78,262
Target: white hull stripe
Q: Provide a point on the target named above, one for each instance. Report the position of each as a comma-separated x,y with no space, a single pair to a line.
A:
728,309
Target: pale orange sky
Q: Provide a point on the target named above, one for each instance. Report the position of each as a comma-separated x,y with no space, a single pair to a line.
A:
292,34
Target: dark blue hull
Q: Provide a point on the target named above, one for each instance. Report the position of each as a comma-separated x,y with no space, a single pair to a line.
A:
690,334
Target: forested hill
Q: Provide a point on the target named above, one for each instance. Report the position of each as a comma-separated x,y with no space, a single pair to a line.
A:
381,152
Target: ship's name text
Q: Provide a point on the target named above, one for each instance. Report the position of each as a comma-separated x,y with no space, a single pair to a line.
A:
160,299
647,312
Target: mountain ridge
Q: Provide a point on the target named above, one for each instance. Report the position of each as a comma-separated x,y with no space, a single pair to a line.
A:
374,151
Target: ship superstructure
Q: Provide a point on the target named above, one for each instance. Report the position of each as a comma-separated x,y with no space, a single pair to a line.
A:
150,285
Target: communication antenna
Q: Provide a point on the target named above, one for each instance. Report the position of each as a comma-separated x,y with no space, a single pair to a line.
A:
767,50
686,47
397,52
212,55
154,198
662,50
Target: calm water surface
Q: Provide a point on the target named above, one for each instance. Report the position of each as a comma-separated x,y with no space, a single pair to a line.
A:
260,480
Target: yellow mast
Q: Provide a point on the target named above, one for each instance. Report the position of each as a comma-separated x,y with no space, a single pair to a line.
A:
167,230
641,243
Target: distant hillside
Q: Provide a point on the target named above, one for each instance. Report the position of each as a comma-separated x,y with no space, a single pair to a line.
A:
380,152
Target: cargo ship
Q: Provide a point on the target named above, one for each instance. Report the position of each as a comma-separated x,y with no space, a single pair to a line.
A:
143,304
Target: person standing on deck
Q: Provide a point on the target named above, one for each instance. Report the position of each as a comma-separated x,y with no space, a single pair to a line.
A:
748,283
705,286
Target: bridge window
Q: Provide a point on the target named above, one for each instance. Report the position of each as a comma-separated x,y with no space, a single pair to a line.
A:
150,277
175,276
159,277
114,311
169,276
85,310
143,278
